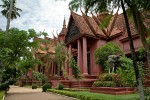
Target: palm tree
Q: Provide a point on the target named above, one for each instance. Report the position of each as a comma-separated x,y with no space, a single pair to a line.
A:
10,11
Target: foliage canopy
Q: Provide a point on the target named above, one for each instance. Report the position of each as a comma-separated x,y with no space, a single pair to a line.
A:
102,53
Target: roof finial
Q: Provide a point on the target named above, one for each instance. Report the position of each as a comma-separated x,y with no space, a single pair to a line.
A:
64,23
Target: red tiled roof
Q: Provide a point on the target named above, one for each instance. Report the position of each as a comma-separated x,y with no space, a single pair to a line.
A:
43,46
81,24
95,26
90,25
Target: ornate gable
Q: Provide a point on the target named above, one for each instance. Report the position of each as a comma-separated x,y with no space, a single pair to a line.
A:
73,31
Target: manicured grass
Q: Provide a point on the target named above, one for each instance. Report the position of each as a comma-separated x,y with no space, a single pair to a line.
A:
95,96
2,93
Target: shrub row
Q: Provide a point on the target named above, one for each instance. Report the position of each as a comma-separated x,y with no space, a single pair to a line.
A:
120,80
75,89
104,84
72,94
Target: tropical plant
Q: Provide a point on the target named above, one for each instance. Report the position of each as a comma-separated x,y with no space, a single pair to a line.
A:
102,53
46,86
37,75
61,55
10,11
75,68
126,72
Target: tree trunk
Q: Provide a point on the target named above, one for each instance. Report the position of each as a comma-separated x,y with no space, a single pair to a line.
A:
138,77
9,16
141,30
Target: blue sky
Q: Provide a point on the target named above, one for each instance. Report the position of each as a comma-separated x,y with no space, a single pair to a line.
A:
41,15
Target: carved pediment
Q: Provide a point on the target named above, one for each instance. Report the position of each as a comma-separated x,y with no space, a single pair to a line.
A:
73,31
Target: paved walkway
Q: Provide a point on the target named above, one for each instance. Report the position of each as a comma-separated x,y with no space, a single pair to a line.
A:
23,93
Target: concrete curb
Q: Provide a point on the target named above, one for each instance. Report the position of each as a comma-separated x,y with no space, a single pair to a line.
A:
3,97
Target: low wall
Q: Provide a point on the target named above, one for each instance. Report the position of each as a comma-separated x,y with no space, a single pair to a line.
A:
112,90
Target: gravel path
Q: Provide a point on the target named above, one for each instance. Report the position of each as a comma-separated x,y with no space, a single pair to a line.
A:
22,93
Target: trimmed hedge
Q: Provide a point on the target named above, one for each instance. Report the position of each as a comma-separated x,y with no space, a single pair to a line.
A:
75,89
60,87
72,94
104,84
4,87
34,86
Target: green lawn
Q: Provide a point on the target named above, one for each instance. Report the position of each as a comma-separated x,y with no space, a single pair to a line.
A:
96,96
110,97
2,93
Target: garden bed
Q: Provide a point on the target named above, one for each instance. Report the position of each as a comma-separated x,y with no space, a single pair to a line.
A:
113,90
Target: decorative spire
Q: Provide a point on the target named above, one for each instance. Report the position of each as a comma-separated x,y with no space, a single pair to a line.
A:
64,23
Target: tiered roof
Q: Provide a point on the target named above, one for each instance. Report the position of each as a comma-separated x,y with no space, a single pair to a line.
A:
90,26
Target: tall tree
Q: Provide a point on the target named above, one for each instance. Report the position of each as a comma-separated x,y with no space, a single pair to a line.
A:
136,69
10,11
16,47
61,55
136,6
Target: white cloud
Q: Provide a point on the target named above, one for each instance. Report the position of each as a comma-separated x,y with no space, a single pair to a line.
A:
40,15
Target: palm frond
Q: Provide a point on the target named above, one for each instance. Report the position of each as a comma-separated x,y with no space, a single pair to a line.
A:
6,6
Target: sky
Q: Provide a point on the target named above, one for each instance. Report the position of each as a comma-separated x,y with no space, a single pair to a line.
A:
41,15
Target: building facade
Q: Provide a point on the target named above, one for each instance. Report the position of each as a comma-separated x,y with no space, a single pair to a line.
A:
84,35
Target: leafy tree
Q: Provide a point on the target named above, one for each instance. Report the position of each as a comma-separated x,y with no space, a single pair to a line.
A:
102,53
27,64
16,47
10,11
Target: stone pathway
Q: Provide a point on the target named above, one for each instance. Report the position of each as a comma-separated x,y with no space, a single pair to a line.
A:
23,93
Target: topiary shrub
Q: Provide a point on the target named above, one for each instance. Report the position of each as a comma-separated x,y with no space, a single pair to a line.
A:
4,87
46,86
60,87
34,86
